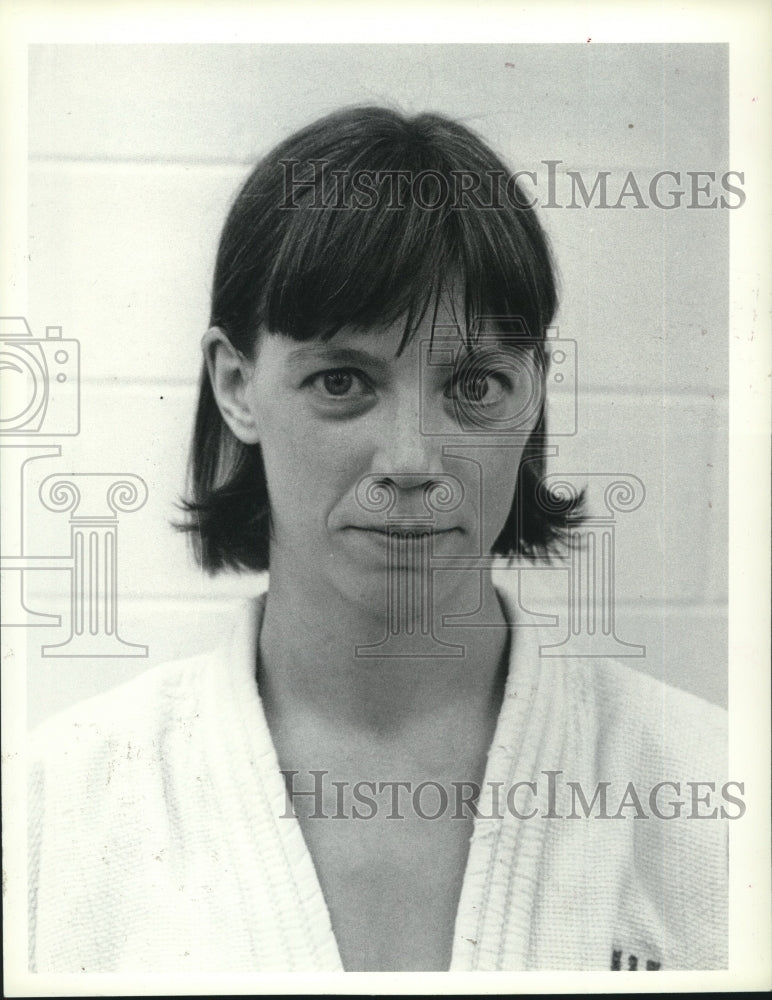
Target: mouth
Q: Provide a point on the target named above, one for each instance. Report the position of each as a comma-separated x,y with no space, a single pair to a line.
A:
405,530
405,546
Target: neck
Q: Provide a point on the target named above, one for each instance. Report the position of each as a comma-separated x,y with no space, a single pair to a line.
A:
323,656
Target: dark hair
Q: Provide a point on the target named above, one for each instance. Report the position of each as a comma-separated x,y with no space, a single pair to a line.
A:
322,236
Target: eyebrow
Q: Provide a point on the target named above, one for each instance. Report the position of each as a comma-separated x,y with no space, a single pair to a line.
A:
350,357
335,356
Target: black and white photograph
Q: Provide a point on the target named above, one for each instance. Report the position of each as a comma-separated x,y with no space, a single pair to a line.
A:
384,432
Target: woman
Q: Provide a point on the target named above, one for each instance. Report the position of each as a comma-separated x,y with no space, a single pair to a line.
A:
379,772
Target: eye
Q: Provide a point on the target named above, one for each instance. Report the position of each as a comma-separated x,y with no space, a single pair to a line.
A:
337,383
340,385
479,387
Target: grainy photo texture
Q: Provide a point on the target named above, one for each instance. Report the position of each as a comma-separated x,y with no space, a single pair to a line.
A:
365,507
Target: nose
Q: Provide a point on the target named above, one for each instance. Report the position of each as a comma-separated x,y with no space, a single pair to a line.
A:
411,499
403,448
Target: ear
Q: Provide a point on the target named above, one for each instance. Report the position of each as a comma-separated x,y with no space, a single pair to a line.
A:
232,378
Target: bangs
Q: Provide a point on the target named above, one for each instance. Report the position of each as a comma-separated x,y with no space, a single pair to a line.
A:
359,238
364,267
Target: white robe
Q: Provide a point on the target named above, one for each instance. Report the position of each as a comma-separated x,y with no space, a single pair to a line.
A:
160,840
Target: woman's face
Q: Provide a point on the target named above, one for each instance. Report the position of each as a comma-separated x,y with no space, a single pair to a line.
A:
363,448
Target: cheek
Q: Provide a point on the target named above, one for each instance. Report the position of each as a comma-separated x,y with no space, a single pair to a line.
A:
307,464
499,471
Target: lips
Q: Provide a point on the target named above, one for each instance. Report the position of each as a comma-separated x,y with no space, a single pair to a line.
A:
403,530
405,546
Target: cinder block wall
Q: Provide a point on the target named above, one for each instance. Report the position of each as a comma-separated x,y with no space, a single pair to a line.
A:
135,155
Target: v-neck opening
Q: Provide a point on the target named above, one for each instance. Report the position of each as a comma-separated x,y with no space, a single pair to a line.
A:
473,937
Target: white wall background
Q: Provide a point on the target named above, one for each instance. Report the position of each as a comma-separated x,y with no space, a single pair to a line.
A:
135,154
